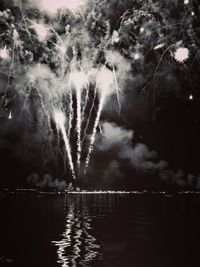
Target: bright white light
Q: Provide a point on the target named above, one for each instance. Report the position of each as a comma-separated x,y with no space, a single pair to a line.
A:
105,81
78,79
59,118
159,46
141,29
115,37
186,2
192,13
4,53
41,31
136,56
191,97
10,115
52,6
181,54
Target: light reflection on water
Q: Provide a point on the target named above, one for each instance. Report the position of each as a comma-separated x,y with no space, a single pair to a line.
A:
77,245
100,230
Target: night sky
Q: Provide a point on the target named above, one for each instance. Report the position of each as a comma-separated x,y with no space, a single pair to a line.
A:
139,59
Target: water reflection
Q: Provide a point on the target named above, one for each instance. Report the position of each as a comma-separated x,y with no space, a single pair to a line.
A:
100,230
77,247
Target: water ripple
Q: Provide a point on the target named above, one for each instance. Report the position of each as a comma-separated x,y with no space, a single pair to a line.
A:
77,247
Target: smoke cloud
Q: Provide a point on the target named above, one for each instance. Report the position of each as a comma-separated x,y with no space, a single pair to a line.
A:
46,182
118,142
138,155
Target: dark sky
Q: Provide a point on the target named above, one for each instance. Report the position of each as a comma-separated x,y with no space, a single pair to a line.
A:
148,136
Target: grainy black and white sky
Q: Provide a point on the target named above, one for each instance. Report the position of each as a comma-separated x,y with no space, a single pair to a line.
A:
121,77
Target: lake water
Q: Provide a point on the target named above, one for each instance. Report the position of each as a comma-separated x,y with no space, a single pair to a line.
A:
100,230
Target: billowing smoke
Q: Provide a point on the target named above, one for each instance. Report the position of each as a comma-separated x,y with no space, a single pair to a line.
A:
118,143
138,155
46,182
142,158
180,178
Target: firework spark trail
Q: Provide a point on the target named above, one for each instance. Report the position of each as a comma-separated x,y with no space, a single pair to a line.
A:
61,41
105,84
71,113
65,61
10,115
92,107
78,80
92,140
78,99
60,121
86,100
100,128
156,70
90,114
117,88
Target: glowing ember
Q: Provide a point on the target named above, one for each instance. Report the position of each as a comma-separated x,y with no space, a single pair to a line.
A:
10,115
141,29
181,54
136,56
159,46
